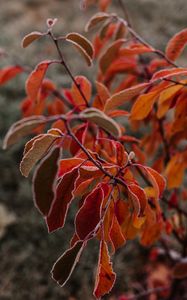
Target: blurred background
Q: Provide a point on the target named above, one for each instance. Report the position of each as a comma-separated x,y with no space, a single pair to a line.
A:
27,251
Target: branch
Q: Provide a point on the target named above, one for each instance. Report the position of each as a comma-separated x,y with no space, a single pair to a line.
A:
64,64
149,292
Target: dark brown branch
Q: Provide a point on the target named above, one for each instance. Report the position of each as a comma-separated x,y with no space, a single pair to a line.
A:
64,64
125,12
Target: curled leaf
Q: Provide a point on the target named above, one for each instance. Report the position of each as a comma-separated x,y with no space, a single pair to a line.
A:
90,213
105,276
44,181
65,265
64,196
99,118
83,45
37,151
21,129
97,19
31,37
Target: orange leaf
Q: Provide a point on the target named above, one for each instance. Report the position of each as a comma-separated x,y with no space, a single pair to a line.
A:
119,98
116,236
31,37
176,45
105,275
143,106
156,179
175,171
34,81
169,73
44,180
9,73
86,89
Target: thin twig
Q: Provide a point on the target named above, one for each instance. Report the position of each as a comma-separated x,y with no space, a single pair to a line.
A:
125,12
149,292
64,64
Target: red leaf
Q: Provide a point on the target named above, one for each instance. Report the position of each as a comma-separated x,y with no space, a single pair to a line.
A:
116,236
34,81
89,214
169,73
105,275
44,180
86,89
110,55
67,164
64,196
9,73
176,45
65,265
80,134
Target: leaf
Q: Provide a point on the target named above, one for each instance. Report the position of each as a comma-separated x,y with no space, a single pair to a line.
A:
105,275
110,55
9,73
139,200
116,236
31,37
44,181
38,150
156,179
119,98
176,45
180,269
86,89
21,129
64,196
175,171
102,95
143,106
165,98
65,265
34,81
135,50
99,118
80,134
97,19
67,164
82,44
169,73
90,213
